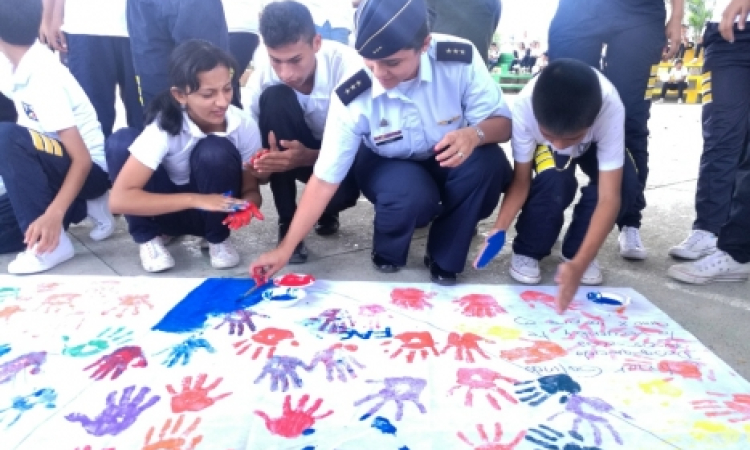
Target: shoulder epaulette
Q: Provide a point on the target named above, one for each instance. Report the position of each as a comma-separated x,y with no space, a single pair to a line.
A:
454,52
354,87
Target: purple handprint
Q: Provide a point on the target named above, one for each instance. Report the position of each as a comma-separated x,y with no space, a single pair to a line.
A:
399,390
282,369
116,418
331,321
597,408
334,358
238,320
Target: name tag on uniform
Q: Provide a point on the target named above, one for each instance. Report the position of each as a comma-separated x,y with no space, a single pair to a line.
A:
387,138
449,121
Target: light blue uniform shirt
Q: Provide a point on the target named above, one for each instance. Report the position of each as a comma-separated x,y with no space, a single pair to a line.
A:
445,96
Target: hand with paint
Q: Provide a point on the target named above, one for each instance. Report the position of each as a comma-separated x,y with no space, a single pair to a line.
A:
116,417
22,404
183,351
336,358
104,340
398,390
293,423
172,439
331,321
484,380
495,443
549,438
117,362
479,305
491,248
194,398
239,320
537,392
414,342
43,234
241,218
266,338
466,344
282,370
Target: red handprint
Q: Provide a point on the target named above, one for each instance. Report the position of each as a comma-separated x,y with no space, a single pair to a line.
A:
239,219
468,343
54,303
132,303
414,341
194,398
117,362
173,441
479,305
495,444
293,423
411,298
540,351
373,313
239,320
482,379
738,406
270,337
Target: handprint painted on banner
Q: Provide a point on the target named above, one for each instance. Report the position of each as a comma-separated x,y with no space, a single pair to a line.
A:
495,444
411,298
23,404
294,423
130,303
173,439
282,370
239,320
337,358
117,362
414,342
398,390
483,379
9,293
539,391
116,417
10,311
479,305
373,314
466,345
266,338
331,321
551,439
185,350
591,410
55,303
32,361
194,398
534,298
109,337
539,352
736,408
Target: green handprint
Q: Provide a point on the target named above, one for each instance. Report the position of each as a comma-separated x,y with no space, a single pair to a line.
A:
103,341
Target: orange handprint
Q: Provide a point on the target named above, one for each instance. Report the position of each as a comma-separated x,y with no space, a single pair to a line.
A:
132,303
194,398
466,343
54,303
540,351
9,311
414,341
173,441
495,444
411,298
270,337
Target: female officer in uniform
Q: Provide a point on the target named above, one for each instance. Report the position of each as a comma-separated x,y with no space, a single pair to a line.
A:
423,121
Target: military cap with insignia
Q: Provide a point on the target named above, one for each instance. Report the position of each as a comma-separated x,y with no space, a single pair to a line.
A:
386,26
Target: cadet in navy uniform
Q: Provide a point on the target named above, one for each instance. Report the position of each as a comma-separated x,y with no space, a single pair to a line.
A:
429,117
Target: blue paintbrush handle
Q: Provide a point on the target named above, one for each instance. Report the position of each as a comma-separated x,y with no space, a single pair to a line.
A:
495,243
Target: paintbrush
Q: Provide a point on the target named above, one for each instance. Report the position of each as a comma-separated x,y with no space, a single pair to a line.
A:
259,278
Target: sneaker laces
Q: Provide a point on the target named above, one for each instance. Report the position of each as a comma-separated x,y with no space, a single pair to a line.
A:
525,261
717,258
155,248
695,237
633,237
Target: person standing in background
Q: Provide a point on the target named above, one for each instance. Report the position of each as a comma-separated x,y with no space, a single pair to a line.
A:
242,23
475,20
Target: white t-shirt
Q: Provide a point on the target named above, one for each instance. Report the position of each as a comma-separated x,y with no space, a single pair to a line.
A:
335,64
242,15
607,131
720,7
340,13
48,99
156,147
96,17
675,75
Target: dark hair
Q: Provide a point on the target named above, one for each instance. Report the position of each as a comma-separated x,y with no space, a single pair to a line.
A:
567,97
20,21
287,22
186,62
418,42
677,61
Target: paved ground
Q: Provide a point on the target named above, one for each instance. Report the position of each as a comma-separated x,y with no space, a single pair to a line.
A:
718,315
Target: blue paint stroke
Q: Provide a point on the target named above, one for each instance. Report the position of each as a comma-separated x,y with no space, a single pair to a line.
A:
309,447
308,432
384,425
4,349
215,296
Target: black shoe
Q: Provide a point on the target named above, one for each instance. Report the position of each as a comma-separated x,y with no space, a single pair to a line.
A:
300,252
438,275
327,225
382,265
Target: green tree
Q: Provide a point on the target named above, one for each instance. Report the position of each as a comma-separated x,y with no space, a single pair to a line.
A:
698,13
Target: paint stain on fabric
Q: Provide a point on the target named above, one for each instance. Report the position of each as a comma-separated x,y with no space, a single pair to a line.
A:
384,425
705,430
685,369
411,298
660,387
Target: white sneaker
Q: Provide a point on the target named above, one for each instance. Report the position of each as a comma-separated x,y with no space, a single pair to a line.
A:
29,262
104,221
717,266
223,255
699,244
592,276
155,257
631,246
679,100
525,269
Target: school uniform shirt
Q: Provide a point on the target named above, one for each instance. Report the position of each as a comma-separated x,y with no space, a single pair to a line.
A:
340,13
406,122
242,15
156,147
720,7
607,131
335,64
96,17
48,99
676,75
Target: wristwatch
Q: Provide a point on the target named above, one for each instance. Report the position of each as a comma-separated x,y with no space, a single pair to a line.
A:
480,134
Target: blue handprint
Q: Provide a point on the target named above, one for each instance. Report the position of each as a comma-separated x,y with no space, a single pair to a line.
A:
183,351
116,418
282,369
21,404
550,439
537,392
4,349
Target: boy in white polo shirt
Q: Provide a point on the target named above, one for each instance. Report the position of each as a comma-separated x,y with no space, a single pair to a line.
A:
53,163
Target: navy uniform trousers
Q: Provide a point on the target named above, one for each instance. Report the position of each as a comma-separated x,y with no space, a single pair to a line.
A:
553,190
409,194
722,201
281,113
634,33
215,168
33,169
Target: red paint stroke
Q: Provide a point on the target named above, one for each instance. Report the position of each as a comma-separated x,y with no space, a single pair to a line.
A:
413,342
196,397
540,351
117,362
9,311
294,280
494,444
738,407
293,422
685,369
411,298
479,305
483,379
466,344
268,337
